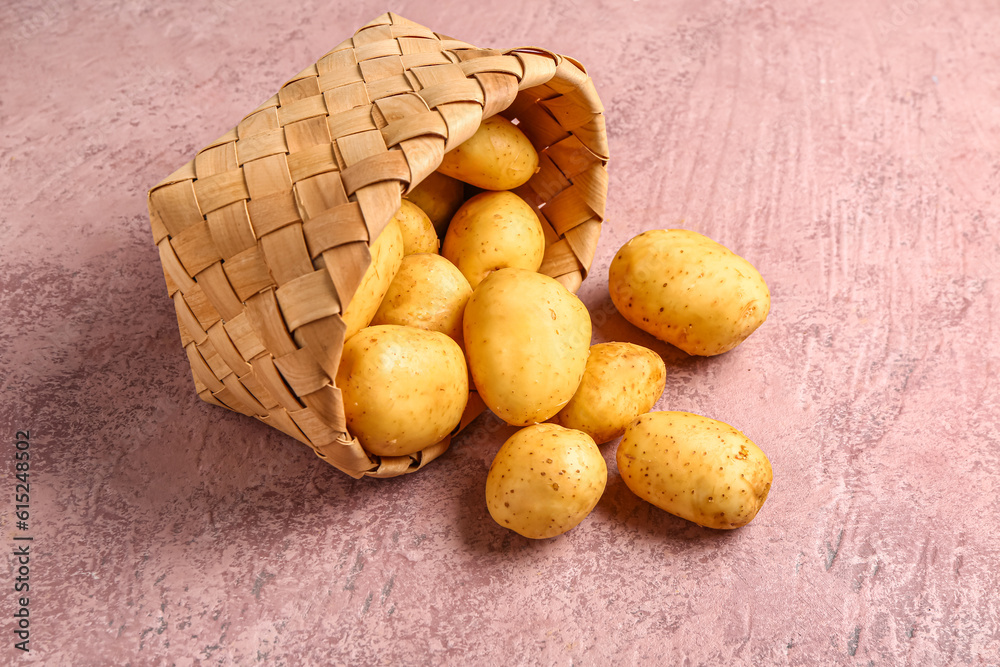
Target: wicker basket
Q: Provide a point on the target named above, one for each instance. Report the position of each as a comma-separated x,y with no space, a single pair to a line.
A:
264,235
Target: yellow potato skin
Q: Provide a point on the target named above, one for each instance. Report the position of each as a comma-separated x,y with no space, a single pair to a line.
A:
688,290
438,196
545,480
527,339
417,229
694,467
404,389
497,157
621,382
387,255
494,230
429,293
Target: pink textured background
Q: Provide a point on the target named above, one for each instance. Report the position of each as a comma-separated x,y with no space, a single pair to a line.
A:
851,150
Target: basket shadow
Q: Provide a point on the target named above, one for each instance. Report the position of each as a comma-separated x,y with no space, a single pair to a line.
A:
177,467
120,427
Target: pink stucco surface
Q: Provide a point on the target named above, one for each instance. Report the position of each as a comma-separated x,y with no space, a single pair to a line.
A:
850,150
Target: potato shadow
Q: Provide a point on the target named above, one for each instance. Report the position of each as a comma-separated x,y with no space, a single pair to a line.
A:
619,506
619,513
619,509
480,533
475,449
609,325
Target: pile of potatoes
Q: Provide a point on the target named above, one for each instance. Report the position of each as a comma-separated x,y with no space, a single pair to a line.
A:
425,328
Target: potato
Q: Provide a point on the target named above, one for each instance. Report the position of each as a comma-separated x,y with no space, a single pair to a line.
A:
429,293
491,231
697,468
387,255
438,196
621,382
497,157
545,480
417,229
688,290
404,389
527,339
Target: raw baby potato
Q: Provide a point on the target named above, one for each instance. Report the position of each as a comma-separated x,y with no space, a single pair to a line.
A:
694,467
438,196
404,389
387,255
491,231
688,290
527,339
416,228
545,480
428,293
621,382
497,157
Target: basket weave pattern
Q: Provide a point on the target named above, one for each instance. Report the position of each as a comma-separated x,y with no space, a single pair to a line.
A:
264,236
